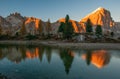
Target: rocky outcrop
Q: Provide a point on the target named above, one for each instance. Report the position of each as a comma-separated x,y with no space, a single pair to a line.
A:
116,28
15,19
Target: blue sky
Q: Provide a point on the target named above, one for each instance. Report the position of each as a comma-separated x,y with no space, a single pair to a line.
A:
55,9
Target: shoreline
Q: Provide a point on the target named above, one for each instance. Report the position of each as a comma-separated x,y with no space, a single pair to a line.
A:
61,44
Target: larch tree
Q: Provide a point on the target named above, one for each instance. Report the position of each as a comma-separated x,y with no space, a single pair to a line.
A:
23,30
40,28
48,27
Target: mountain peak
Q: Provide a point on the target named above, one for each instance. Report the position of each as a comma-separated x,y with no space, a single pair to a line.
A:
100,16
100,8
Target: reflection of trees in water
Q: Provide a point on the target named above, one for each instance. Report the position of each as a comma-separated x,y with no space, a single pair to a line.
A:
48,53
22,50
88,57
41,52
99,58
67,57
1,54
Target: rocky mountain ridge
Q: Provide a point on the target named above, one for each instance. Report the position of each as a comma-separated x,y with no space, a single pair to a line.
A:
100,16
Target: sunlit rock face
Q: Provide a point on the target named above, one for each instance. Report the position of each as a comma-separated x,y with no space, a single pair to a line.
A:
32,24
75,24
32,19
101,17
98,58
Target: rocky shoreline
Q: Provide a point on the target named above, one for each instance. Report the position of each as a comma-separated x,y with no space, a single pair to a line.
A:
61,44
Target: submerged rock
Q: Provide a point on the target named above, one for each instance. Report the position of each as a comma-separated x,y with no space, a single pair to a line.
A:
3,76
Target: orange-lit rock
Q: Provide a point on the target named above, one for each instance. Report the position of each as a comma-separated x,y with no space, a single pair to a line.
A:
34,20
98,58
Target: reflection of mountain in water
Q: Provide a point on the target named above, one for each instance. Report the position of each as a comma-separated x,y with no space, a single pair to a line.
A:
17,54
99,58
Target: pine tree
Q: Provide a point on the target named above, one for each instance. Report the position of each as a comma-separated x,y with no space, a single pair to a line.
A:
98,30
66,28
61,27
40,28
67,19
23,29
0,30
89,26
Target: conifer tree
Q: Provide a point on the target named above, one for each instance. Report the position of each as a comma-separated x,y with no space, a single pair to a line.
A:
98,30
61,27
66,28
89,26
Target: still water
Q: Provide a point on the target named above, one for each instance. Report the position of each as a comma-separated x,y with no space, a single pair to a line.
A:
28,62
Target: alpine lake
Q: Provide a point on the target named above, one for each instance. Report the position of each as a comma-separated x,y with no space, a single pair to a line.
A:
43,62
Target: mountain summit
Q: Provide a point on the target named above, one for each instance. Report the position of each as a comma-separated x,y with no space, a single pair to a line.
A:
100,16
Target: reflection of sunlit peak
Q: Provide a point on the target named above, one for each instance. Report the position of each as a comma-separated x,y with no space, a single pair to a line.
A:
34,54
99,58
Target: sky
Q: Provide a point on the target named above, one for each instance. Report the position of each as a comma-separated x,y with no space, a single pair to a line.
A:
56,9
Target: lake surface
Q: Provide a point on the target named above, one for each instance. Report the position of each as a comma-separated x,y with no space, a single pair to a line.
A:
28,62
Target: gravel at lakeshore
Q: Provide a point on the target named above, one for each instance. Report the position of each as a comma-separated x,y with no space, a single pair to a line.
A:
61,44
